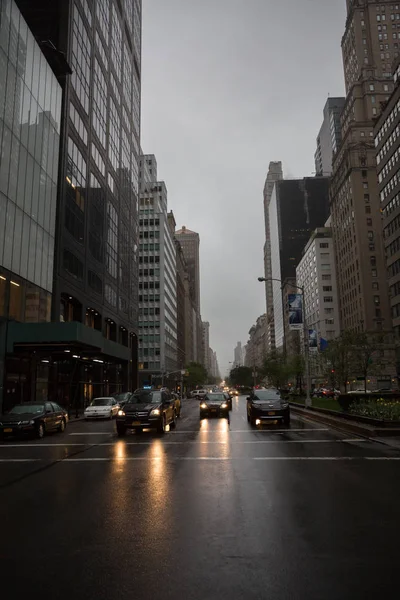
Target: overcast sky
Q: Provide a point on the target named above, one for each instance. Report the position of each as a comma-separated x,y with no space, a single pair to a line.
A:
228,86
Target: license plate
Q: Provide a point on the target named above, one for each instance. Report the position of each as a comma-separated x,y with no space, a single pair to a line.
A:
136,423
213,410
8,430
271,414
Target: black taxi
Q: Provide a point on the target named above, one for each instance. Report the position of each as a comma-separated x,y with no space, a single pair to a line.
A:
147,409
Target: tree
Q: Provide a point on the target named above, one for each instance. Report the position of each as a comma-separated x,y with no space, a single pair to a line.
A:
365,358
241,376
277,370
339,357
197,374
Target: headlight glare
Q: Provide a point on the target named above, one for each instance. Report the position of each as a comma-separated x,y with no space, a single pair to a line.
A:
121,413
203,405
155,412
224,405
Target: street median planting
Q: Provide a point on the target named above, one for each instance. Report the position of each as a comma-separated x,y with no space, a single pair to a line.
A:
384,409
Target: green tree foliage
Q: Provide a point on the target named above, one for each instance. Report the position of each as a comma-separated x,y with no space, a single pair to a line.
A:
241,376
197,375
278,371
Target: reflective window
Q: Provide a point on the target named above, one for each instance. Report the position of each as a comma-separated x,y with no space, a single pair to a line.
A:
72,265
98,160
78,123
81,52
99,103
103,16
116,42
115,127
112,239
30,112
102,50
87,11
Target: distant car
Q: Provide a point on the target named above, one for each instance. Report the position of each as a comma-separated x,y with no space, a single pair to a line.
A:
234,392
214,405
122,398
102,408
147,409
267,405
36,418
198,393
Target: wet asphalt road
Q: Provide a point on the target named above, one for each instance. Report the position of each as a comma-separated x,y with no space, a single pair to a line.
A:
207,511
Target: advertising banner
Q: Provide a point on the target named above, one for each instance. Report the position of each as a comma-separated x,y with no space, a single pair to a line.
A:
312,340
295,312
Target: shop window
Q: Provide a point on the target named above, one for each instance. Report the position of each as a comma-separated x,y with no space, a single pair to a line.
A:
3,284
16,299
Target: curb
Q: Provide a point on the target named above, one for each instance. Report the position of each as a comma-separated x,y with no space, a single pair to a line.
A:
365,431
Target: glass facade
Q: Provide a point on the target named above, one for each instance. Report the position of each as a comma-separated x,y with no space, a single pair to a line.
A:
98,254
30,112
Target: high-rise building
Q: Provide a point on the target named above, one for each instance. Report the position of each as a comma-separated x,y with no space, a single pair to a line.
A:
256,347
214,368
387,147
275,173
297,207
30,123
157,280
329,137
369,44
95,281
205,325
317,274
190,243
238,355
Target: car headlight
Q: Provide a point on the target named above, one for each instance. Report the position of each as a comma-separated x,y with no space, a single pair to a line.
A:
203,405
224,405
121,413
285,404
26,422
155,412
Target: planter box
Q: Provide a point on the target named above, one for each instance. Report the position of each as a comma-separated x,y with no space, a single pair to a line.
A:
349,417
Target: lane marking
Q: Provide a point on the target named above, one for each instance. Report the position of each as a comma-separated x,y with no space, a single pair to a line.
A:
217,431
205,458
394,458
4,460
180,443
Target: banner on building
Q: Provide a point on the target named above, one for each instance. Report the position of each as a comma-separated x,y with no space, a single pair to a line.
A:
295,302
312,340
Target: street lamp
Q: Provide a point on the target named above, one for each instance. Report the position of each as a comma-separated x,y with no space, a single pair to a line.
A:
305,330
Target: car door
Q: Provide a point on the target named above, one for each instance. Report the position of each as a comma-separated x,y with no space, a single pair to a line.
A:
168,406
49,417
57,414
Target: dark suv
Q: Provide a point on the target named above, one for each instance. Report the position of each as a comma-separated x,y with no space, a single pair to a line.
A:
147,409
267,405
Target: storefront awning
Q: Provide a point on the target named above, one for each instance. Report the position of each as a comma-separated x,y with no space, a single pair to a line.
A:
40,336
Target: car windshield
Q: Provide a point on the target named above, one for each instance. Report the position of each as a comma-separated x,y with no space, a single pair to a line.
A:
267,395
27,408
122,397
146,398
101,402
215,397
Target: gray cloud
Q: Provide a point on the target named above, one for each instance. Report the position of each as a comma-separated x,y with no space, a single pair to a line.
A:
229,85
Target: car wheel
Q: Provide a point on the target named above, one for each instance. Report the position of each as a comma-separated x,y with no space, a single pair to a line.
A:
121,431
252,421
286,419
62,426
161,426
173,422
40,431
248,417
110,416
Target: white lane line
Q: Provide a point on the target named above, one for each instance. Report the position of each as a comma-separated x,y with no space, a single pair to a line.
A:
94,433
22,460
395,458
208,431
180,443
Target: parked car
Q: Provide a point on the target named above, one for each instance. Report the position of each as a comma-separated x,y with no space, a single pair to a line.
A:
267,405
102,408
214,405
35,418
198,394
178,405
147,409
